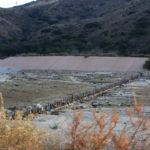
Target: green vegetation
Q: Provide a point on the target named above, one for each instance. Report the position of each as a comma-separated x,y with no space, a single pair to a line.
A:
137,32
73,28
46,30
92,25
140,28
147,65
57,32
142,23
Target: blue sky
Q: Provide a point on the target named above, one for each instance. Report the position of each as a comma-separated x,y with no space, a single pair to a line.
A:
11,3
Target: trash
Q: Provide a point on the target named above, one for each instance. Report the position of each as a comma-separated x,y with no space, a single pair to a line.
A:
48,109
38,106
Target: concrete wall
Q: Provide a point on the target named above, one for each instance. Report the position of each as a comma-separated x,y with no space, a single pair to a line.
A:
78,63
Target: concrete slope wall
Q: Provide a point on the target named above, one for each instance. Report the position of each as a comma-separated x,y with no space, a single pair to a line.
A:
78,63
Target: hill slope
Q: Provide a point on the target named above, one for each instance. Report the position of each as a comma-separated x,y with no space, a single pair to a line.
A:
97,27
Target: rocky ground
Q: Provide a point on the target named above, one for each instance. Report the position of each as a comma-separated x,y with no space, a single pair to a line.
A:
25,88
121,98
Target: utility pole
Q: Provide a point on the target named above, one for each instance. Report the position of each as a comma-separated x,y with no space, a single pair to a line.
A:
16,3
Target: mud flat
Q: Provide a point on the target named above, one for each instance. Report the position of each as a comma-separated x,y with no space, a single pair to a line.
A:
78,63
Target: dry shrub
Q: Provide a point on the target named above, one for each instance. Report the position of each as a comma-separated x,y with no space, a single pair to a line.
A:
99,134
20,134
103,134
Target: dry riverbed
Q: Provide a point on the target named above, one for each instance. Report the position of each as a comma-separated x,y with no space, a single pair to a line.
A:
121,98
25,88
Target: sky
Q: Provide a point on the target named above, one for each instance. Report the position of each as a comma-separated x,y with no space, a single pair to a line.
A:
11,3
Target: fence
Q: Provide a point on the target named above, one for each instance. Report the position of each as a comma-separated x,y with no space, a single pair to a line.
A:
86,95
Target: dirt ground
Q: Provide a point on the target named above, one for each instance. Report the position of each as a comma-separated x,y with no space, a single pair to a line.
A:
24,90
121,98
31,87
28,87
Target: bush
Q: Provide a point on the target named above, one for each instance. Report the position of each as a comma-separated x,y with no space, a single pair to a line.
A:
19,134
92,25
57,32
100,134
147,65
103,135
137,32
47,19
140,28
143,23
46,30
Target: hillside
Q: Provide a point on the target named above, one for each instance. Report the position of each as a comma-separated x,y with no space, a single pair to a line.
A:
74,27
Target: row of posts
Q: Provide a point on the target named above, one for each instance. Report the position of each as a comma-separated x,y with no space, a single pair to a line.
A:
50,107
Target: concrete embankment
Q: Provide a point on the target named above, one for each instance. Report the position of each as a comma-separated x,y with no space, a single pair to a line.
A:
76,63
